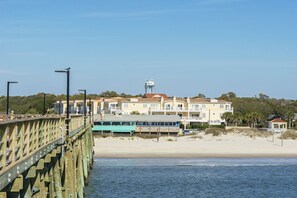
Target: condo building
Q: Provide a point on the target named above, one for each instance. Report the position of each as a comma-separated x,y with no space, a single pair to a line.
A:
190,110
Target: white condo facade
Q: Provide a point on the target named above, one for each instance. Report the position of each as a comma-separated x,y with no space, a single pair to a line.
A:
191,110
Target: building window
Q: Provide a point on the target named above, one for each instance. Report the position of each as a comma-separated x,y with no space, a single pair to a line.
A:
161,123
144,105
154,123
126,123
180,106
203,115
154,106
125,105
203,106
97,123
195,106
221,106
116,123
167,106
113,106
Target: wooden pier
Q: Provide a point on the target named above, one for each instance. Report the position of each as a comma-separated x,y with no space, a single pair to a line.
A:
39,159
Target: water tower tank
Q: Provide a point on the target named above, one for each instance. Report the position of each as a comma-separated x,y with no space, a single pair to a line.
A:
149,86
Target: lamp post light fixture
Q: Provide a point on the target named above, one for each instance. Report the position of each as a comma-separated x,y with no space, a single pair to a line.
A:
85,104
7,99
67,71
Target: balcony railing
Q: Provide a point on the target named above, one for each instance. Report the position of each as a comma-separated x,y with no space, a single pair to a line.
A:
191,118
176,109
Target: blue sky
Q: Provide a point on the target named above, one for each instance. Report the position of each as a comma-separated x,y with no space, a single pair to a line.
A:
187,47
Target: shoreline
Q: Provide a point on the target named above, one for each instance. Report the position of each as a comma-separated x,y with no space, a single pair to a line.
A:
194,155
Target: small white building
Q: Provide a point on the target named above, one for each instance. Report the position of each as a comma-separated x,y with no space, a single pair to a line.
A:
277,125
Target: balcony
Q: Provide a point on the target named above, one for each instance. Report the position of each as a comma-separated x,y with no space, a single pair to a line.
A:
229,109
191,119
177,109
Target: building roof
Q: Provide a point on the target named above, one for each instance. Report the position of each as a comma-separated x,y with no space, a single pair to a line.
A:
277,120
204,100
155,95
141,100
140,118
180,100
198,100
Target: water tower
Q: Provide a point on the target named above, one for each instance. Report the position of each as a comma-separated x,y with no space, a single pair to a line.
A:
149,86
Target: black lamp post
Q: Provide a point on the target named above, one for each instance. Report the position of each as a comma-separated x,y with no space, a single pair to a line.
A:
90,110
67,71
44,111
85,104
7,99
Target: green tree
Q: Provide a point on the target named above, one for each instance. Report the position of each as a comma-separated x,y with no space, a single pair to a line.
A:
227,117
237,118
200,95
109,94
290,115
254,119
263,96
228,96
32,111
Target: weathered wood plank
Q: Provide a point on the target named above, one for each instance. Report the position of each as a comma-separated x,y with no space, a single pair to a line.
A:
18,184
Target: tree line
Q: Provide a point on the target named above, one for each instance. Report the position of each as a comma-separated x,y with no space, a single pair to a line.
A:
253,111
33,104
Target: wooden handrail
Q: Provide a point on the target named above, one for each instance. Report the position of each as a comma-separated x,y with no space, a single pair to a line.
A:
21,138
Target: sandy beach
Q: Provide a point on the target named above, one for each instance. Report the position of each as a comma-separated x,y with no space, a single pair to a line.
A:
201,145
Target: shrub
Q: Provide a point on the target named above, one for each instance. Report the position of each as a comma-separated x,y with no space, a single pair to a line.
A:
217,126
199,126
215,131
290,134
195,137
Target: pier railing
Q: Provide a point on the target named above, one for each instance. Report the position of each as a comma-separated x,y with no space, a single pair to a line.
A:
24,141
164,129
